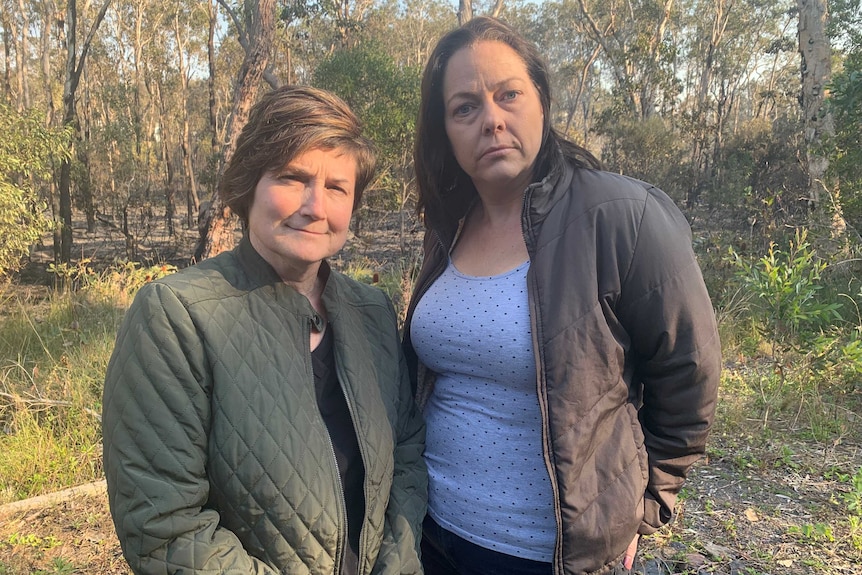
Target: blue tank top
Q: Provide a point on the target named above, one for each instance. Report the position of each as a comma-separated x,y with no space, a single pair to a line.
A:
488,480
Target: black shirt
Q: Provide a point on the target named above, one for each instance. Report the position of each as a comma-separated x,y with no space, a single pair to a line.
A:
339,423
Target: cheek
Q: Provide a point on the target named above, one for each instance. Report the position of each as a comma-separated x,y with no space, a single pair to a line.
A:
458,140
340,220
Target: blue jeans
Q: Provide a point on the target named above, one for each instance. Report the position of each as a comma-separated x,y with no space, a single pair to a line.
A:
444,553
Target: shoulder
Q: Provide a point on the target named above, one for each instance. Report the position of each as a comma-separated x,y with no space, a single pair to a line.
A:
367,309
356,293
615,193
214,278
608,186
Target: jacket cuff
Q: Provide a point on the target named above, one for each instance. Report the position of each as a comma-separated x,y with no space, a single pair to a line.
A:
656,516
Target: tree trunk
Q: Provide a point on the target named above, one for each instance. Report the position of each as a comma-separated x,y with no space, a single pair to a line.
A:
816,71
211,60
465,11
221,222
23,55
699,155
7,60
167,139
74,68
186,143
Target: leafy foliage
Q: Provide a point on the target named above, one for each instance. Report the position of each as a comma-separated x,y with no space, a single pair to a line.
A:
785,284
846,149
810,345
27,149
644,149
385,95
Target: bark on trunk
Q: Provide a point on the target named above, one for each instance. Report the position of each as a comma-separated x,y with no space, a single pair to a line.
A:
221,222
816,71
74,68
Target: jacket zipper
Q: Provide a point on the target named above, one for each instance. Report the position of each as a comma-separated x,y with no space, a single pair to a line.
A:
342,508
342,523
342,382
541,391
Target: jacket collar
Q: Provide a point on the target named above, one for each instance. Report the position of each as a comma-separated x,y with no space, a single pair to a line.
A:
256,269
261,274
541,197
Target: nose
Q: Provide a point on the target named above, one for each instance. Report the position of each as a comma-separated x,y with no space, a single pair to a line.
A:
492,121
314,201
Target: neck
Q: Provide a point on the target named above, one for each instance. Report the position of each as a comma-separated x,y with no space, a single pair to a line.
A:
311,286
497,212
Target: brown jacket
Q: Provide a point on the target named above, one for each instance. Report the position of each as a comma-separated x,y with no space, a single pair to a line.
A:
627,356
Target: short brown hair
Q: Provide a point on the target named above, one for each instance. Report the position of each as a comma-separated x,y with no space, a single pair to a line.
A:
285,123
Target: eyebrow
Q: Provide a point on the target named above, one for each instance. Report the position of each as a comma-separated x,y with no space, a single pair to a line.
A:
303,173
341,181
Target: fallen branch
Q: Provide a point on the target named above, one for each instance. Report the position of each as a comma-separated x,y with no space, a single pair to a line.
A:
50,403
87,489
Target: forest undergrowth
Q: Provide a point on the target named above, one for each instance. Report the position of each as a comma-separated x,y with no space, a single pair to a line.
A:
780,491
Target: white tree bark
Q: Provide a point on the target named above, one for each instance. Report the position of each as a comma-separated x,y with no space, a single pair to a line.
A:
816,68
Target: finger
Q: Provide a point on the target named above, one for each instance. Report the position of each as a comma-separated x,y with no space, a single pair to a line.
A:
629,560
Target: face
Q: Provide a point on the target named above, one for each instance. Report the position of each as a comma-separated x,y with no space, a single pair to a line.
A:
301,212
493,116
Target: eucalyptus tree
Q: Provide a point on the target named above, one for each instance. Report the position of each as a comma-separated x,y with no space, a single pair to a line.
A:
15,19
845,101
465,10
730,46
637,48
255,29
35,36
188,23
816,71
573,59
411,28
75,60
27,149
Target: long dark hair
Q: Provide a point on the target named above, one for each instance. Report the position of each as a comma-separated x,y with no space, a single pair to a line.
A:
445,190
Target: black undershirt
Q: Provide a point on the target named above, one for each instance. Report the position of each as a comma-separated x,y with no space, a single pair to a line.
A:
336,416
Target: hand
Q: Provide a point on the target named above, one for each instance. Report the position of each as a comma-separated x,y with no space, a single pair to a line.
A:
629,559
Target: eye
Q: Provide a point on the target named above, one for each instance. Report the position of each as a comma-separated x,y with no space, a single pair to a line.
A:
510,95
462,109
340,187
288,176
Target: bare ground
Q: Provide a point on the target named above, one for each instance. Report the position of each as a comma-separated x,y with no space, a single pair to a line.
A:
761,503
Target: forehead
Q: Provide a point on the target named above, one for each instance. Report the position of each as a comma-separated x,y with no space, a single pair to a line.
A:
340,160
483,65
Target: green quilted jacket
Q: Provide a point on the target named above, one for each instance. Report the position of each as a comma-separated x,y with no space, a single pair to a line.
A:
216,457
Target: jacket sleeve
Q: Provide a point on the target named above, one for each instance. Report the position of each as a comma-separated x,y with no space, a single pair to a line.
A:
668,315
408,498
156,415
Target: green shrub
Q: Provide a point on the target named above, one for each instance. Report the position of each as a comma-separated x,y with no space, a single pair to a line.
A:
26,151
799,331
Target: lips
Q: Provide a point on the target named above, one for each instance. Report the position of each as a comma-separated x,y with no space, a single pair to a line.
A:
306,230
494,150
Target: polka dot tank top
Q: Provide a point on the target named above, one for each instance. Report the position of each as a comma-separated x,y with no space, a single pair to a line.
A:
488,479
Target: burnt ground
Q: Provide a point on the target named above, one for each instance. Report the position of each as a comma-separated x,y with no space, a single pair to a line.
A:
762,502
